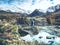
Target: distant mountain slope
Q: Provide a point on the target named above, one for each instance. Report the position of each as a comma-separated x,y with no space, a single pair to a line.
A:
2,11
49,11
53,9
36,13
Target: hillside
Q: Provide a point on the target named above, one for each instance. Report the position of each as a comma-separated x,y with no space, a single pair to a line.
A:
15,26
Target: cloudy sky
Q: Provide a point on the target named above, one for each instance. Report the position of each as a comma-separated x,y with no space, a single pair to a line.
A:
27,5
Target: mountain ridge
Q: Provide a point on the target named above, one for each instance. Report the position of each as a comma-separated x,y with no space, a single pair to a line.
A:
36,12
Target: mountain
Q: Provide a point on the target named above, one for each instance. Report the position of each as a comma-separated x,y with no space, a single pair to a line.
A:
36,12
54,8
2,11
10,12
49,11
57,8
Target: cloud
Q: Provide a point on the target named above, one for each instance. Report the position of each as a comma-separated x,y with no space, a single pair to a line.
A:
27,5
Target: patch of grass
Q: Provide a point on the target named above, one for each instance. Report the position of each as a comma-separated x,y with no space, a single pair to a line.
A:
14,28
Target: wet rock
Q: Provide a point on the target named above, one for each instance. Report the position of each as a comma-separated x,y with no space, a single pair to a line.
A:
22,33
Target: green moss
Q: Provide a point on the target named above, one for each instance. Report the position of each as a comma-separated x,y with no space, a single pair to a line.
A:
14,28
9,34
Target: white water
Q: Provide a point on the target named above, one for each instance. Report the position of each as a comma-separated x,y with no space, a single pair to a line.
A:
42,34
